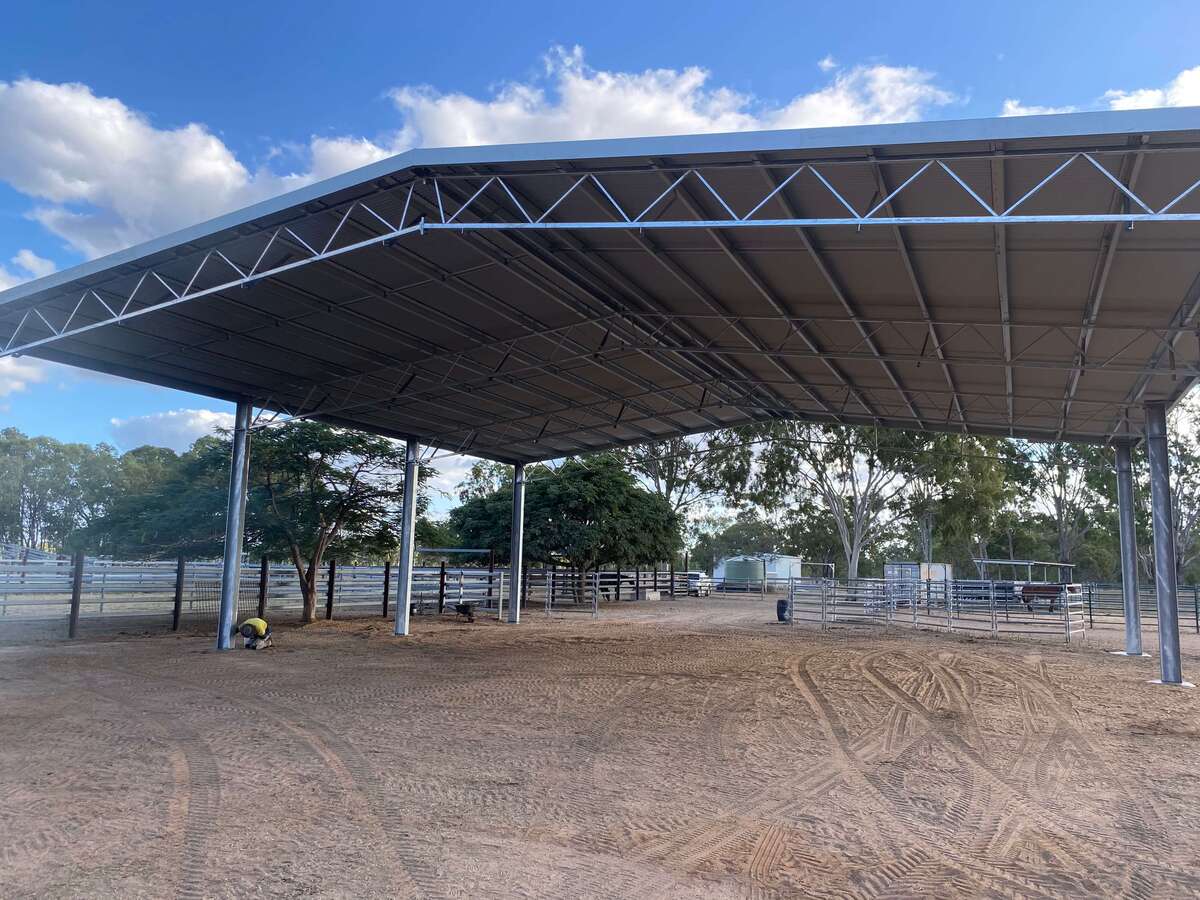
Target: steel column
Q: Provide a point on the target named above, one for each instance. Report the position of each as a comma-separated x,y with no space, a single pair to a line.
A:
1164,543
1129,561
516,556
235,523
408,530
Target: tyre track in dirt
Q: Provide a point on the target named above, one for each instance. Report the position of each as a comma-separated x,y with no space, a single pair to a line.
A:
1049,825
197,783
892,807
354,774
734,824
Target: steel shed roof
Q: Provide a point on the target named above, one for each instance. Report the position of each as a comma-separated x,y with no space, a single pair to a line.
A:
1036,277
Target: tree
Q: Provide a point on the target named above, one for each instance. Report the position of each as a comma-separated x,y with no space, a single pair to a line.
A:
485,477
580,515
716,537
689,471
49,490
314,489
840,468
167,505
1068,491
314,486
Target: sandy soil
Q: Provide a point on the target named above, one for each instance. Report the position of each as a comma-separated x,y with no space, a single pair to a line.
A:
678,749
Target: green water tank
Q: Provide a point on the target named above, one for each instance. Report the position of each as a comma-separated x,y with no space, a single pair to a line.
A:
743,569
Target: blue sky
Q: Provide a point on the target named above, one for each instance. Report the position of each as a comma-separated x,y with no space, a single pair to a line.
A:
123,121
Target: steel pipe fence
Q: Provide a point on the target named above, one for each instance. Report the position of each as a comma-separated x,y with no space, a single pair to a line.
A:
36,590
975,607
39,589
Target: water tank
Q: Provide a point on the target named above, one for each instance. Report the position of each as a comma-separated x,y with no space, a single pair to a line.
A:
743,572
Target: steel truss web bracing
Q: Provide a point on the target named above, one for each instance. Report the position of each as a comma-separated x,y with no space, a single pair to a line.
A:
1038,278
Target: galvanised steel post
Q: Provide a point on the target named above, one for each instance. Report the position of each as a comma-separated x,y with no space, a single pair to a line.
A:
1165,585
1129,560
517,542
408,529
235,523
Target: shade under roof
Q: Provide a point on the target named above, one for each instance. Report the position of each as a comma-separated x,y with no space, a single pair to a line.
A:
1035,277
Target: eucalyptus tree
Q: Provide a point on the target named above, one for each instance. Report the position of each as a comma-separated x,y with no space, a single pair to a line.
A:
689,472
848,472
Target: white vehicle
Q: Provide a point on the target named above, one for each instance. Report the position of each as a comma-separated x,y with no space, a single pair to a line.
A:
699,584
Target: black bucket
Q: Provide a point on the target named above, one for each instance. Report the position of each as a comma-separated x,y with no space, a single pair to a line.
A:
781,609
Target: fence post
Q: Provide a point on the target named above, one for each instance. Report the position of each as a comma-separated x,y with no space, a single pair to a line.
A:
329,588
671,575
177,610
595,593
500,599
1091,619
656,576
550,591
524,586
387,584
992,604
491,573
264,583
1196,605
76,592
637,582
442,587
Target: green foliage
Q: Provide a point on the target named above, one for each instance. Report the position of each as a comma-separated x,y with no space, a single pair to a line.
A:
49,490
581,515
688,471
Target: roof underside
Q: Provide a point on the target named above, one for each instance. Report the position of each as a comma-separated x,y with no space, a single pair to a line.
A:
792,274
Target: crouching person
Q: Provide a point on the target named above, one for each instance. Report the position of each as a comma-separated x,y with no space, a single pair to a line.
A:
257,633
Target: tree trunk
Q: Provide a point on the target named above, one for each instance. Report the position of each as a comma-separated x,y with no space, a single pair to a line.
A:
852,563
927,536
308,585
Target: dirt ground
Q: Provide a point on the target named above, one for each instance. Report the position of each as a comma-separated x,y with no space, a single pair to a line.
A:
671,749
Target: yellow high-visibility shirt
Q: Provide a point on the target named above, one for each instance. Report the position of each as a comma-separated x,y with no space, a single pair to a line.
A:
259,626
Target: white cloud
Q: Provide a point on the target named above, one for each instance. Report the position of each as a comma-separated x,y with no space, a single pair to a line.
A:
175,428
30,265
1013,107
35,265
827,63
574,100
17,374
1182,90
451,470
103,176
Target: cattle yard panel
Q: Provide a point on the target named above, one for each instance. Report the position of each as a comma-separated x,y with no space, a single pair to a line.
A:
966,606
